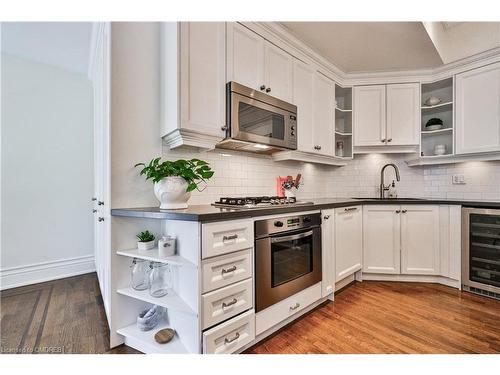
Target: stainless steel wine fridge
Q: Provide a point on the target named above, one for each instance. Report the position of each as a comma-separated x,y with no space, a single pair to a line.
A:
481,251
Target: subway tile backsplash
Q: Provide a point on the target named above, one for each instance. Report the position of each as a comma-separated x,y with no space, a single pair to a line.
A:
245,174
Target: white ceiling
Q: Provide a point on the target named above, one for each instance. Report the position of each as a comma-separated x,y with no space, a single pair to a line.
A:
369,46
65,45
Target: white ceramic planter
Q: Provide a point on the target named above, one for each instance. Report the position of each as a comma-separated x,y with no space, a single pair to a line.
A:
171,192
146,245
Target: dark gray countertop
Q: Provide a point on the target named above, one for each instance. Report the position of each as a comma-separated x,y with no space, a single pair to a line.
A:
211,213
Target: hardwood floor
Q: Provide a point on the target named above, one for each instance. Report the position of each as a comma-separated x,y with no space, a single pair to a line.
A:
370,317
390,317
61,316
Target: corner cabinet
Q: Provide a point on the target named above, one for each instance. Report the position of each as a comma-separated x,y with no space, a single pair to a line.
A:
369,115
193,81
381,239
478,110
387,115
348,241
401,239
420,240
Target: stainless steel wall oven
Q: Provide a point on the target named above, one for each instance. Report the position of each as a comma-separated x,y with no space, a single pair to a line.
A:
287,257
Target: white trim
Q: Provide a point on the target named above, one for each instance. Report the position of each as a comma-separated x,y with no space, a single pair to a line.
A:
413,278
36,273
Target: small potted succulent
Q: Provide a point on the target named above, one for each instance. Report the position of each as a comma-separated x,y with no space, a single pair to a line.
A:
146,240
175,180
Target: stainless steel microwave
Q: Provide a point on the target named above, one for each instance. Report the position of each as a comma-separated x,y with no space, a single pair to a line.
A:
258,122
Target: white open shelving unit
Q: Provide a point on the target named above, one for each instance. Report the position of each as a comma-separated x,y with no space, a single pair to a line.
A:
444,90
343,121
145,339
181,304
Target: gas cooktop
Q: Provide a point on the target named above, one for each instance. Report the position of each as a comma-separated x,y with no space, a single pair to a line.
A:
257,202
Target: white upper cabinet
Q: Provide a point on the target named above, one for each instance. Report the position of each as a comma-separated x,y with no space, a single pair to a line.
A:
278,72
381,239
387,115
323,115
478,110
303,86
369,115
245,56
348,239
193,83
420,252
257,63
403,114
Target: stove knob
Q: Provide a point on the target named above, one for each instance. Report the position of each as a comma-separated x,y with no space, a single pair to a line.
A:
278,224
307,219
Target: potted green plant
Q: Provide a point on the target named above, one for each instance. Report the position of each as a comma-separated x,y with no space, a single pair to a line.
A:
175,180
146,240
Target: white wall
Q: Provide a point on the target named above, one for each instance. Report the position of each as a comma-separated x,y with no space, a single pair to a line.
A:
47,177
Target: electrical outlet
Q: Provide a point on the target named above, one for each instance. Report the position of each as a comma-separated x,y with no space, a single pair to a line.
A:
458,179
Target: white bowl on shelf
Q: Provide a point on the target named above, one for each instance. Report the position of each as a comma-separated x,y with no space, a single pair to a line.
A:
433,100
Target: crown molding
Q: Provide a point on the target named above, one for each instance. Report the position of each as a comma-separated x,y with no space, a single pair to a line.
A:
282,37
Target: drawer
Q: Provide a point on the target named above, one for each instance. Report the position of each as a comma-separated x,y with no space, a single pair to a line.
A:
226,302
226,269
230,336
226,237
275,314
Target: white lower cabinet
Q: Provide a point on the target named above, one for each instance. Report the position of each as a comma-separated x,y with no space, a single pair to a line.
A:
282,310
401,239
381,239
226,269
327,252
420,240
226,302
348,239
230,336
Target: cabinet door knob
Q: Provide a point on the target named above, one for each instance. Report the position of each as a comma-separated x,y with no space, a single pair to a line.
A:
94,210
101,219
262,88
268,89
94,199
382,140
389,140
404,211
398,211
224,128
100,203
326,217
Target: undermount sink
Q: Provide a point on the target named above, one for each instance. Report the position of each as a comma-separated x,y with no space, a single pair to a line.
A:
390,199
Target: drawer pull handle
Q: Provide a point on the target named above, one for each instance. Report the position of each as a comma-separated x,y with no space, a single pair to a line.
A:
224,304
295,307
229,341
229,270
326,217
350,209
229,238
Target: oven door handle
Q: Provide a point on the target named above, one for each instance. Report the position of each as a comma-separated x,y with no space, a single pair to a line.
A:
292,237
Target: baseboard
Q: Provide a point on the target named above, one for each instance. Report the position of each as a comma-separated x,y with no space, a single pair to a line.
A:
37,273
413,278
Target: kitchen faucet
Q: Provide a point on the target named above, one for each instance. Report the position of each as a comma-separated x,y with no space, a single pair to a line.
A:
384,188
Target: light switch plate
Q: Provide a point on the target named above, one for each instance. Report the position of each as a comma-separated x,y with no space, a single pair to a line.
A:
458,179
